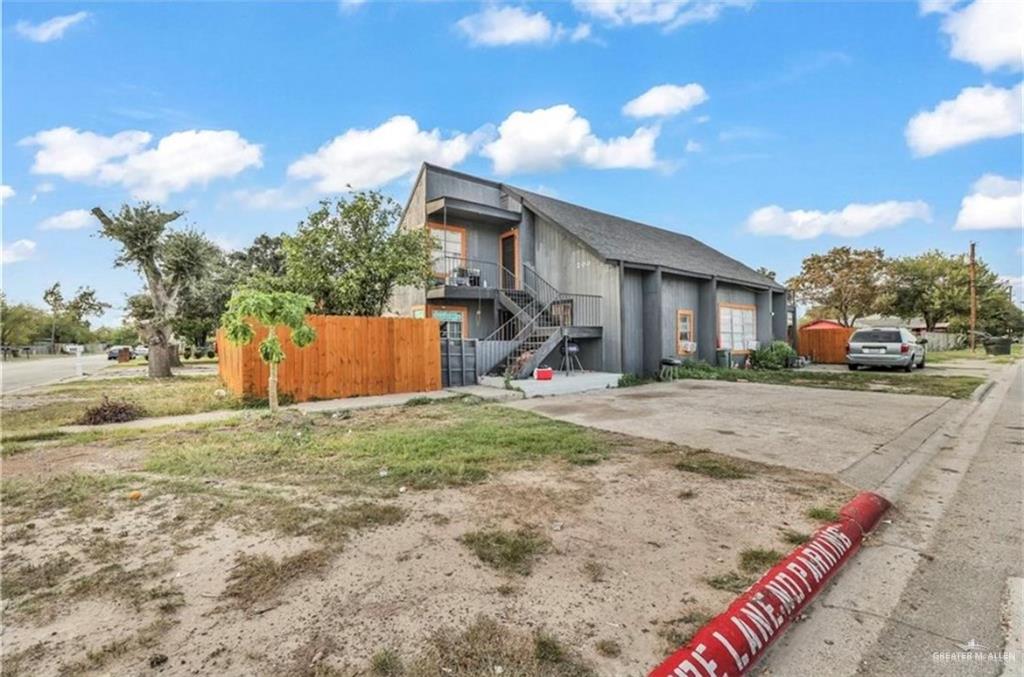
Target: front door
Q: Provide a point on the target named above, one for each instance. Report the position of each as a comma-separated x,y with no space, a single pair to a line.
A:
509,265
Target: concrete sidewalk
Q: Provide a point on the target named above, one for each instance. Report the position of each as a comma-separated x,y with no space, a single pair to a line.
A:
933,578
320,406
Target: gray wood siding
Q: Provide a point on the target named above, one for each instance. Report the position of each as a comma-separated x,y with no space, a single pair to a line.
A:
572,268
728,293
677,293
444,185
416,211
405,297
632,322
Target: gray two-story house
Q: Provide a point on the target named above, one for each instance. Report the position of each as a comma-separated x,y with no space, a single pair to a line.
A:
525,274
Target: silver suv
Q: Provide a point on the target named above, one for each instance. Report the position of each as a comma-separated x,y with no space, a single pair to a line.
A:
885,347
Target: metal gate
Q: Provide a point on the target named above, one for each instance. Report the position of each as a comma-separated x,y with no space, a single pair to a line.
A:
458,362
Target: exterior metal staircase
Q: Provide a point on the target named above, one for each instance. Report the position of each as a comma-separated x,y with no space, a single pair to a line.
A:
535,327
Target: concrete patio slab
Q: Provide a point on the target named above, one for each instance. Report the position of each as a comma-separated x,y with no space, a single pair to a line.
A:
813,429
561,384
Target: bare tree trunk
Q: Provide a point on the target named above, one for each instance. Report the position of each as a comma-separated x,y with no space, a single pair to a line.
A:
175,358
160,354
272,388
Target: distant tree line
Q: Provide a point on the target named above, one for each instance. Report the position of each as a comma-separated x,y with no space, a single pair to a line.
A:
847,284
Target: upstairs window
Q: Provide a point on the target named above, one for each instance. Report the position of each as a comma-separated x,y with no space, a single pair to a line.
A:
449,248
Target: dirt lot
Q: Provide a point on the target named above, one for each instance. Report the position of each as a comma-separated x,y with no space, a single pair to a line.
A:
451,539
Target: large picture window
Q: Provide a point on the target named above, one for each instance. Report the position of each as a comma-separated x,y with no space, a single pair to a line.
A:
448,243
737,327
686,336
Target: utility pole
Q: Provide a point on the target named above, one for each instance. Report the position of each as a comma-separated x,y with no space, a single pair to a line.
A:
974,301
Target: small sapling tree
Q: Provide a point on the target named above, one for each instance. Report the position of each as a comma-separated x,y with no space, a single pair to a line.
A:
272,310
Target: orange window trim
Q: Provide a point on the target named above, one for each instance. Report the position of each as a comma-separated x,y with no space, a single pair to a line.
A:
462,310
433,225
693,330
737,306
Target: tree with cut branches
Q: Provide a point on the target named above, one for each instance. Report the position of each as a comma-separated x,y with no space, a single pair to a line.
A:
273,310
170,262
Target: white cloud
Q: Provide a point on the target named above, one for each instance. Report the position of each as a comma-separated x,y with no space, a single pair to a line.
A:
77,155
670,14
503,26
369,158
987,33
666,100
19,250
183,159
996,203
580,33
550,138
347,6
178,161
852,221
51,29
6,193
693,146
977,113
69,220
936,6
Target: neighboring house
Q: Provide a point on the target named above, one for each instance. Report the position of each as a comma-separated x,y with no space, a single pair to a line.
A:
821,325
524,272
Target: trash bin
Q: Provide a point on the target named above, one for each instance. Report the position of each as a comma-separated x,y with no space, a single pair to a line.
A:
724,357
998,345
124,355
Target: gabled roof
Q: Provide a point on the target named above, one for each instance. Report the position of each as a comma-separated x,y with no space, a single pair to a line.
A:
620,239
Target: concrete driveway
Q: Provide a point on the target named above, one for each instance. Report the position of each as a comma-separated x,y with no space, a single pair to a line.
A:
859,435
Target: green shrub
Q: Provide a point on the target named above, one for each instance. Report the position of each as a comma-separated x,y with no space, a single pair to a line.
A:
630,380
775,355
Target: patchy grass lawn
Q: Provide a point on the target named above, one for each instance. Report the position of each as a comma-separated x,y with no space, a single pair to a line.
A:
434,539
957,387
939,356
451,443
49,408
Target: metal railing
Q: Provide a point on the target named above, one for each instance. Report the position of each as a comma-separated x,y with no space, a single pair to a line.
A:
459,271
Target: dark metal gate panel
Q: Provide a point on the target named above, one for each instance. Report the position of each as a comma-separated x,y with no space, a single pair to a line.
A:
458,362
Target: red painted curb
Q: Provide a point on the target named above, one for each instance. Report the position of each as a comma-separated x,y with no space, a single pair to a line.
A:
732,642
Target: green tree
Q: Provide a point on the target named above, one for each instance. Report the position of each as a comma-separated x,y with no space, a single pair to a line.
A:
936,287
68,317
169,261
273,310
264,257
350,256
20,323
54,298
845,282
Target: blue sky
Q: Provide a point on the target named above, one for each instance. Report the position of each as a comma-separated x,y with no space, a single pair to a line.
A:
769,130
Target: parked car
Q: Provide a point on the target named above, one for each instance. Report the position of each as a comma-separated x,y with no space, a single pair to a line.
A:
140,351
885,347
114,351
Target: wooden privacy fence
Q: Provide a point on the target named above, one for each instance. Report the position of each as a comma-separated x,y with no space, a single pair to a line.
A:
824,345
351,356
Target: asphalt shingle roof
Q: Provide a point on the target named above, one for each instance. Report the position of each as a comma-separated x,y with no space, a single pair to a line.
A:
623,240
